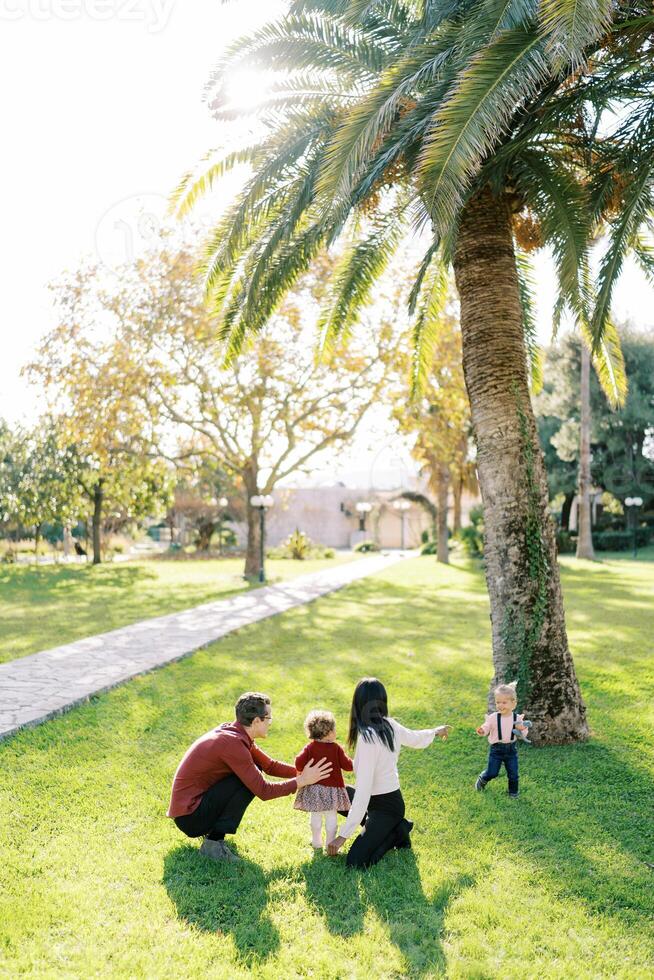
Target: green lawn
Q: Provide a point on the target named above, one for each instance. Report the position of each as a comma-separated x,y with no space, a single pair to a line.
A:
97,882
44,606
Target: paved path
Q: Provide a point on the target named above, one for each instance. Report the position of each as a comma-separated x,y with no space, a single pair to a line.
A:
44,684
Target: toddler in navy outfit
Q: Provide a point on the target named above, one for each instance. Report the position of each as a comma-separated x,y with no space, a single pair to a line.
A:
499,727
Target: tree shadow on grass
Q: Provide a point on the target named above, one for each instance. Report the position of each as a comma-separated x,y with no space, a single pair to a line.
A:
223,898
393,890
590,832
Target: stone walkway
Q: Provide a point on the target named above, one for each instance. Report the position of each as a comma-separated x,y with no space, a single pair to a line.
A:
35,688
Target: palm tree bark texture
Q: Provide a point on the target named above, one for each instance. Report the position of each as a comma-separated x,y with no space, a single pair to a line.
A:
530,643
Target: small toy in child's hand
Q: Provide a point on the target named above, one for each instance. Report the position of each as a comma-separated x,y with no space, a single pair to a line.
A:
522,735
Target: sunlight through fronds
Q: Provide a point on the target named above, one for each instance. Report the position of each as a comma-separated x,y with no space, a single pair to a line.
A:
435,99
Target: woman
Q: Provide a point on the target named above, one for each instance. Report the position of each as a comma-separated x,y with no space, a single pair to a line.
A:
376,798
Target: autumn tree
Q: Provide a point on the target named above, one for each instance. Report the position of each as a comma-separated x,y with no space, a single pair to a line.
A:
437,416
260,417
205,500
86,372
47,489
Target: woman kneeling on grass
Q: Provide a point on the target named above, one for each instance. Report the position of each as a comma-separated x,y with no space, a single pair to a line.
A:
376,799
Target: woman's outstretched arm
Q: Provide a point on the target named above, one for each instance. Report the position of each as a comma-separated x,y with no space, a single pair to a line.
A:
419,738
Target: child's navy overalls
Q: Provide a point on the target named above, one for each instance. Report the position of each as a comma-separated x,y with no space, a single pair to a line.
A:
503,752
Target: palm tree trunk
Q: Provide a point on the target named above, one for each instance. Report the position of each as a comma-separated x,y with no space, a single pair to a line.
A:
585,535
442,551
457,493
98,499
565,510
528,625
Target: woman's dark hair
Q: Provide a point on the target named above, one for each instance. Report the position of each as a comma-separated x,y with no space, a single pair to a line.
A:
369,714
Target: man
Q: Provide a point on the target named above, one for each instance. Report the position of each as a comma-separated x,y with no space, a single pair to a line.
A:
220,775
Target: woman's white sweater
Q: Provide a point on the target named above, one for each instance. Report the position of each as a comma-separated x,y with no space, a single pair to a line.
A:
376,769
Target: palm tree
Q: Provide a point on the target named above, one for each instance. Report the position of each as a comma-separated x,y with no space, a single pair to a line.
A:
584,535
488,126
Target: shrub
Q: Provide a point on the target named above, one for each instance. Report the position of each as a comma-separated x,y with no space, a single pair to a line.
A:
609,522
276,553
613,540
298,544
472,536
364,546
622,540
472,541
429,548
565,543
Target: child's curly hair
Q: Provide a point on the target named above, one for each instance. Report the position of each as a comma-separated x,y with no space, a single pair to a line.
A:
318,724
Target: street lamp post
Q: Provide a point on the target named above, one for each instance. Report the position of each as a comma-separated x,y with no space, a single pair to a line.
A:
263,502
363,508
634,502
402,506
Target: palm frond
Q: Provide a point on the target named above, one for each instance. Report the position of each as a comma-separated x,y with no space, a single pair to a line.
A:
637,206
571,25
303,91
487,19
553,192
354,277
625,165
557,313
368,123
644,255
190,188
425,329
299,43
290,260
281,176
498,79
527,291
423,269
608,362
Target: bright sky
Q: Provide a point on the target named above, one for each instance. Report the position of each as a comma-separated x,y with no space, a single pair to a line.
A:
102,114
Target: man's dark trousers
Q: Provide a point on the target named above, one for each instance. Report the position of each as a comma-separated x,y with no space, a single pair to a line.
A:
502,752
220,811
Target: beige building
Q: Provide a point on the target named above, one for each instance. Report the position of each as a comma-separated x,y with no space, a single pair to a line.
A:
330,516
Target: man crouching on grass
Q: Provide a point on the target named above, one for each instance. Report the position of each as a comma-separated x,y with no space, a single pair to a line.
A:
220,775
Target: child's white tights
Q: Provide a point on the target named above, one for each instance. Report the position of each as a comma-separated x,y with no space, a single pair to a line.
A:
331,826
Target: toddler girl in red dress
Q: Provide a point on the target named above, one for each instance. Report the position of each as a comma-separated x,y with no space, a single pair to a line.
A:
323,800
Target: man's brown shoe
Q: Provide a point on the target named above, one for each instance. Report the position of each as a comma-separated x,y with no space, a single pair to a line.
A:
217,850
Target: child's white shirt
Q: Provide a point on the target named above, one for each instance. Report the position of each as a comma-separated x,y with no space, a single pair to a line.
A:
376,769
